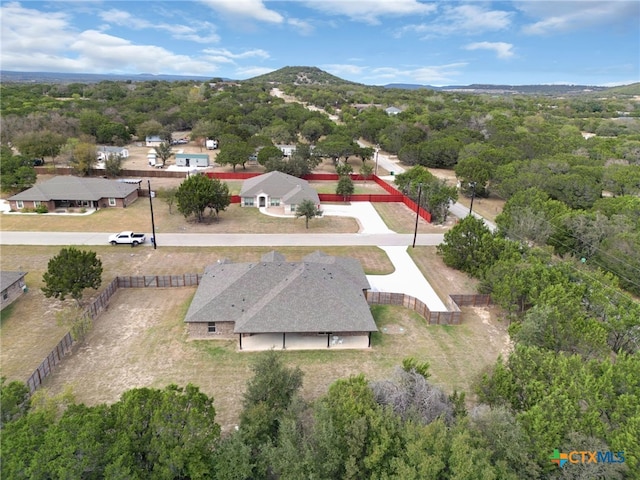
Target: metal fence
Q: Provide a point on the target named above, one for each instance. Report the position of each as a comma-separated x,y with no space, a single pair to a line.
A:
45,368
159,281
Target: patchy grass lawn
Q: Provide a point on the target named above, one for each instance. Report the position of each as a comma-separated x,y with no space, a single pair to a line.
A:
141,341
370,187
137,216
29,330
401,219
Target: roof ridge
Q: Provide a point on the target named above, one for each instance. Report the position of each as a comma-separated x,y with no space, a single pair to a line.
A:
273,292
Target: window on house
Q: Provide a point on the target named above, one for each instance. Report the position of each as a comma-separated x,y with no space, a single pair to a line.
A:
211,327
274,202
5,294
293,208
112,202
248,201
20,204
37,203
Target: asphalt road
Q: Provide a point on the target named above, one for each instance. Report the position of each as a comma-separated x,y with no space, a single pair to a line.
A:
224,239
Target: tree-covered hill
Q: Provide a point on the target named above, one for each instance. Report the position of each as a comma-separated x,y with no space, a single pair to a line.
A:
301,76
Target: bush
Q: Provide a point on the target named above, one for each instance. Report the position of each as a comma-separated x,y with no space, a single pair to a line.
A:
41,209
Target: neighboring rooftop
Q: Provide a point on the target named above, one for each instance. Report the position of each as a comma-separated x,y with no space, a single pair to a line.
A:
68,187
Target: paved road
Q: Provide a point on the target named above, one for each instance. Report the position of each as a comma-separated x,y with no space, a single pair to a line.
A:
462,211
225,239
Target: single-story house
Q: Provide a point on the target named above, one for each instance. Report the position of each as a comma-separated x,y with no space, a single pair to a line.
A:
105,152
276,189
153,140
392,111
275,299
287,150
67,191
192,159
12,286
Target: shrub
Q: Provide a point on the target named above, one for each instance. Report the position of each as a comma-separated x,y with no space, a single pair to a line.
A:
41,209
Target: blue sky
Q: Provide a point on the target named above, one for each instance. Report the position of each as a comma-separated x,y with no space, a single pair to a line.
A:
375,42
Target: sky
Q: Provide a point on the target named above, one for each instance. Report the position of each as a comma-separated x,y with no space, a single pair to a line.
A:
374,42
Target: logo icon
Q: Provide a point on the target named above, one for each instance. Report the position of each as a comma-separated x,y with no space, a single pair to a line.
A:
559,458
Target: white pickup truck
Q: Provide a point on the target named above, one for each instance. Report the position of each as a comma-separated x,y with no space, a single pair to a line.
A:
134,239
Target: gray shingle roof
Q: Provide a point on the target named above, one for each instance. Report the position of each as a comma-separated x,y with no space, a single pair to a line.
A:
318,294
290,189
67,187
8,278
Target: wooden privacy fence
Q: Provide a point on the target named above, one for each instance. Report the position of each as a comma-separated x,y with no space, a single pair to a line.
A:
451,317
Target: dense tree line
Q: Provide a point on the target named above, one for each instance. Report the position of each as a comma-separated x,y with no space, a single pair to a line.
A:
401,427
577,342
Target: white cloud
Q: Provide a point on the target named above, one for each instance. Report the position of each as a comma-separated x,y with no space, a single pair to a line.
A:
370,11
25,31
203,32
250,72
462,20
434,74
577,15
300,26
253,9
223,52
343,69
100,52
503,50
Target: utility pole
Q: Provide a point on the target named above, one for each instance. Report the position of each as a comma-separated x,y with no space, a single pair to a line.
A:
415,232
377,150
473,195
153,223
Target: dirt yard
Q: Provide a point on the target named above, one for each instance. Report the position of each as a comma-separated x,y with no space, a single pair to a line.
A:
141,341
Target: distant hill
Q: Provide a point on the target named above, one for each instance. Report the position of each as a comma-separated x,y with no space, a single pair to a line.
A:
508,89
56,77
301,76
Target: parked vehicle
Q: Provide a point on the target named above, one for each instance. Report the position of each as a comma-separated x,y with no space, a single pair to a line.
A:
134,239
212,144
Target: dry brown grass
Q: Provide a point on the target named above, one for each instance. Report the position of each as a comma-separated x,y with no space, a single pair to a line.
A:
141,341
29,331
137,216
401,219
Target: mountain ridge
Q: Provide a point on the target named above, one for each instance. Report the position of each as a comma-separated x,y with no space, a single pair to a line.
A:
306,75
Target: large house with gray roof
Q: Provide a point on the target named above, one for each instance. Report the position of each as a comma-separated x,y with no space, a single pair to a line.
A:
275,189
66,191
283,304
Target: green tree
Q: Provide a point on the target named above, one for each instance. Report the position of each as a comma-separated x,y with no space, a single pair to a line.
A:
199,192
83,158
149,128
308,210
40,144
17,174
164,152
168,433
366,171
113,165
472,170
343,169
234,154
269,394
70,272
268,153
345,187
14,398
469,246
